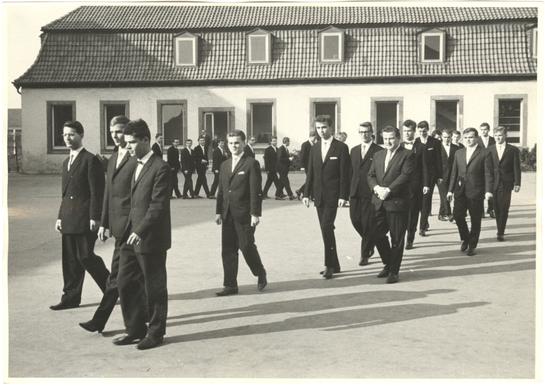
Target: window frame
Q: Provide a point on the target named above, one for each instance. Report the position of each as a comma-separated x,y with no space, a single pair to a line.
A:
442,46
399,112
447,98
331,32
535,46
105,126
211,110
249,116
523,132
51,148
312,111
186,37
163,102
259,34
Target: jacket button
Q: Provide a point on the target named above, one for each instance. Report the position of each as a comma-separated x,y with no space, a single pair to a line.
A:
229,191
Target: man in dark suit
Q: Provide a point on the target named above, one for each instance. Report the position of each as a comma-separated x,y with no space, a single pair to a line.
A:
389,177
457,139
304,156
283,162
471,176
361,210
486,141
270,157
188,168
432,157
173,160
79,218
219,155
158,145
238,209
200,157
207,141
506,164
447,159
249,148
328,183
147,239
115,213
419,184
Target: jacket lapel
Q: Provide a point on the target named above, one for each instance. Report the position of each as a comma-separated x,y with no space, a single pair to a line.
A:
238,166
76,162
144,170
396,154
329,151
477,151
123,162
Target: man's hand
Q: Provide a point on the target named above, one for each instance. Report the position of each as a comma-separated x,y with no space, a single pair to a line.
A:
306,201
302,169
341,202
58,225
93,225
102,233
488,195
425,190
449,196
254,221
133,239
516,188
218,219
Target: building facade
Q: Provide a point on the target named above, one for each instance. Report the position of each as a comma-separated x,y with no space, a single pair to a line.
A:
269,70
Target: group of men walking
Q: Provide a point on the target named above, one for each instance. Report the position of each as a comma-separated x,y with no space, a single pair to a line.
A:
387,187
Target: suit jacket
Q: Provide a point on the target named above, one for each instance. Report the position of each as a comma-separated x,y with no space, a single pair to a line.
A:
117,195
157,149
328,181
360,167
473,179
82,193
432,157
506,169
173,158
282,160
305,154
149,216
491,141
397,178
447,161
421,175
248,151
186,160
198,157
239,192
217,158
270,159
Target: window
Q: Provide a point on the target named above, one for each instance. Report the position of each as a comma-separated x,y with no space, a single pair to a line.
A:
261,119
217,121
172,117
384,112
433,46
509,116
185,46
108,110
57,114
259,47
328,107
332,46
446,112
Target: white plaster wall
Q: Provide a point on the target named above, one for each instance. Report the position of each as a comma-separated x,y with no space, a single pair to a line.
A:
292,108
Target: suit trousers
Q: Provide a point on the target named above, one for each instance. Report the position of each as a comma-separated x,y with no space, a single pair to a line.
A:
415,206
362,214
272,177
215,183
188,184
78,256
142,283
107,304
396,224
174,183
234,236
502,202
201,181
444,209
462,204
326,216
285,182
426,208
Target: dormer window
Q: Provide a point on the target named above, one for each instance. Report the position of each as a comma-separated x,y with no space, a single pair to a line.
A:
258,47
534,43
433,46
331,45
186,48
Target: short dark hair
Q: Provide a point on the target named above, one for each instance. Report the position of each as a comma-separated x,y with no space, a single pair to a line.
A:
156,135
367,124
323,119
503,129
312,133
410,124
273,137
456,132
237,133
74,125
391,129
138,129
485,124
424,125
285,139
119,120
448,131
471,130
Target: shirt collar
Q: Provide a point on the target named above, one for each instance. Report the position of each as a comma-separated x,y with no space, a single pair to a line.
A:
146,158
76,152
394,149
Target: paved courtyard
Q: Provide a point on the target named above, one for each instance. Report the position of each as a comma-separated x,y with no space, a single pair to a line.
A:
450,316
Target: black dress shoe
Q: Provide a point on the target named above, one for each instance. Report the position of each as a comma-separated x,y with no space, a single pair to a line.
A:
464,246
63,306
149,342
392,278
409,245
228,291
422,232
364,261
262,281
384,273
128,339
279,198
427,228
470,251
92,326
492,213
211,197
500,238
451,218
335,270
328,274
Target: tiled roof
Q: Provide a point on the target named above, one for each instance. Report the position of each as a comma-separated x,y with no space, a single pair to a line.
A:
489,49
241,16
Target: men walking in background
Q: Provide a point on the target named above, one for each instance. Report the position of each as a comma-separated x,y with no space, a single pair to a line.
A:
115,213
249,148
304,156
361,210
158,145
270,158
486,141
389,178
142,276
238,209
328,184
173,160
218,156
457,139
472,176
447,158
79,217
188,168
506,163
283,163
200,157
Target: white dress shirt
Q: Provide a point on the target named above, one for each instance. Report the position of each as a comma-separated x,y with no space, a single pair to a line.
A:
73,155
447,149
141,163
389,156
326,144
120,155
485,141
469,152
236,158
409,145
500,149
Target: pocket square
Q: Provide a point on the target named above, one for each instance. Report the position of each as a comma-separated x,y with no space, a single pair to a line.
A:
332,157
242,172
430,148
